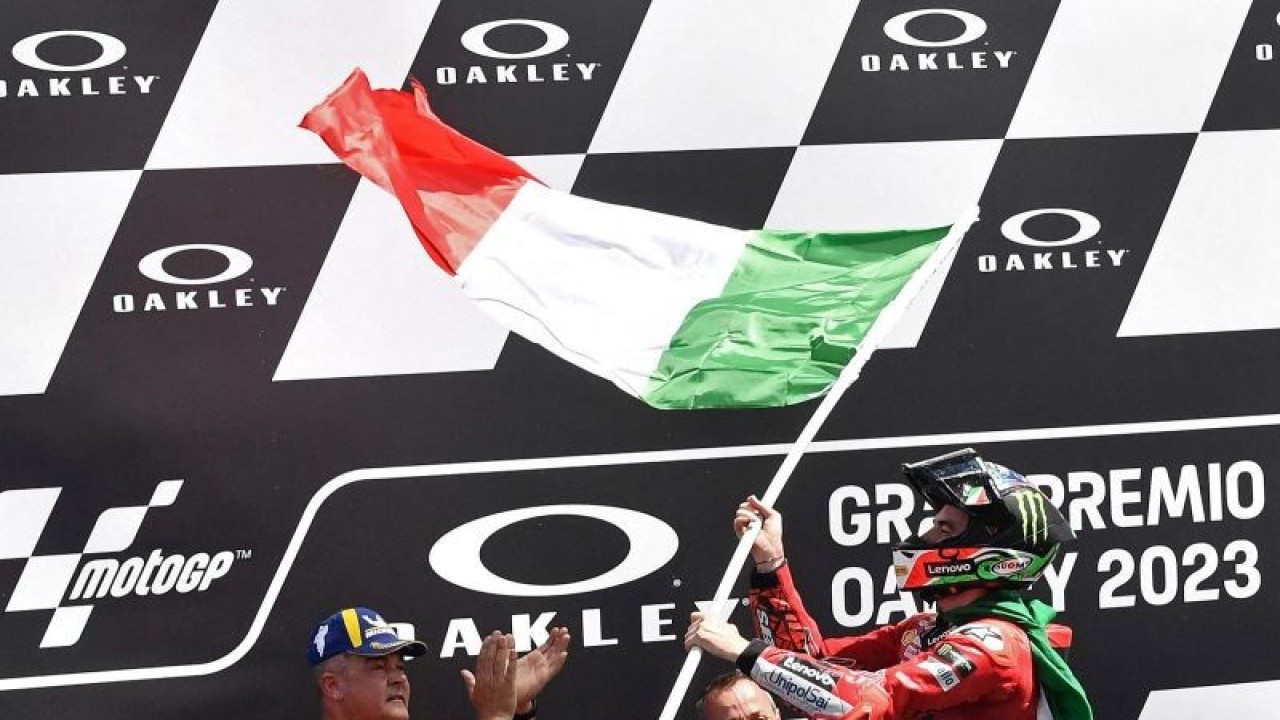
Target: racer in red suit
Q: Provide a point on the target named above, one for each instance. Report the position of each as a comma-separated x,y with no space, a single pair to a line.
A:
986,655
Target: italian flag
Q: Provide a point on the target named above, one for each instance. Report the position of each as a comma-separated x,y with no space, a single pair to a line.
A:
677,312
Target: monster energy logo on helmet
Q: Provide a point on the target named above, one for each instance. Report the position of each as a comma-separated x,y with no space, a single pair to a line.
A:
1035,520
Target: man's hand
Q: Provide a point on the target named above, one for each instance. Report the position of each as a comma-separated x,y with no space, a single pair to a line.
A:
715,636
536,668
492,687
767,548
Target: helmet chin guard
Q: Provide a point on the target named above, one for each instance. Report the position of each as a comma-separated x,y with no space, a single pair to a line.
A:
1013,532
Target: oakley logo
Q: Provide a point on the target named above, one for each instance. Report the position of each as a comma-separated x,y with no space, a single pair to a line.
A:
896,28
110,51
933,55
45,578
238,263
1052,254
1013,228
107,51
554,38
456,556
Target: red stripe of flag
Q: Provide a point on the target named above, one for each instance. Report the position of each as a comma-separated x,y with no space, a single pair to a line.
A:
452,187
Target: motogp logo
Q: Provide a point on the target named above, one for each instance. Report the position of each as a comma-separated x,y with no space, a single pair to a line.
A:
46,579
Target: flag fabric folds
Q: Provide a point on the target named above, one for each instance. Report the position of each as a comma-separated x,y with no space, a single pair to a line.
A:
677,312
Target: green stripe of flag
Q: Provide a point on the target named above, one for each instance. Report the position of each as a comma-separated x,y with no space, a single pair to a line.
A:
789,319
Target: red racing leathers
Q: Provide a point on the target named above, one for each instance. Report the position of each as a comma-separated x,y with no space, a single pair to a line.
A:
913,669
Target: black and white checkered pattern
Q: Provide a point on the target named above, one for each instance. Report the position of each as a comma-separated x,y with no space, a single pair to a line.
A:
1124,155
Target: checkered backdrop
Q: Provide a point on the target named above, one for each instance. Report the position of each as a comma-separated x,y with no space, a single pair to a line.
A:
235,396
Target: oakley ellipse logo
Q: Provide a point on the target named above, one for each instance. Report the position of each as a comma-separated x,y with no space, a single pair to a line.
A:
896,28
104,50
942,55
476,39
1013,228
1052,254
553,39
27,51
456,556
238,263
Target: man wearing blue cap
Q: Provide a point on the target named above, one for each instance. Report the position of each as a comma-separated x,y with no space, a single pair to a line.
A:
359,666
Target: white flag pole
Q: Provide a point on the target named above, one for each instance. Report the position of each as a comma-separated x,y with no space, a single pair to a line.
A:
875,336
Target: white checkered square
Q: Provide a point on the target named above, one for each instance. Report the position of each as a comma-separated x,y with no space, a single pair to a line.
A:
1131,67
23,514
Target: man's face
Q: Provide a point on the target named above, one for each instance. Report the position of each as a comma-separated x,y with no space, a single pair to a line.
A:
743,700
948,522
375,688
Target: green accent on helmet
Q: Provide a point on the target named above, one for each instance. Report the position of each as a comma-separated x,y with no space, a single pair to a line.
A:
1035,518
1016,566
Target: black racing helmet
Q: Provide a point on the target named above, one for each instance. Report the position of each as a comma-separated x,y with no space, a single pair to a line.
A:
1013,533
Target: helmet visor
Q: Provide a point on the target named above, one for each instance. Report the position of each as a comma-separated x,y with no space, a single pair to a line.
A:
958,478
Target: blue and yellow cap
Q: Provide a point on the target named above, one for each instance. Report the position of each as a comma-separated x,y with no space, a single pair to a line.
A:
360,631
